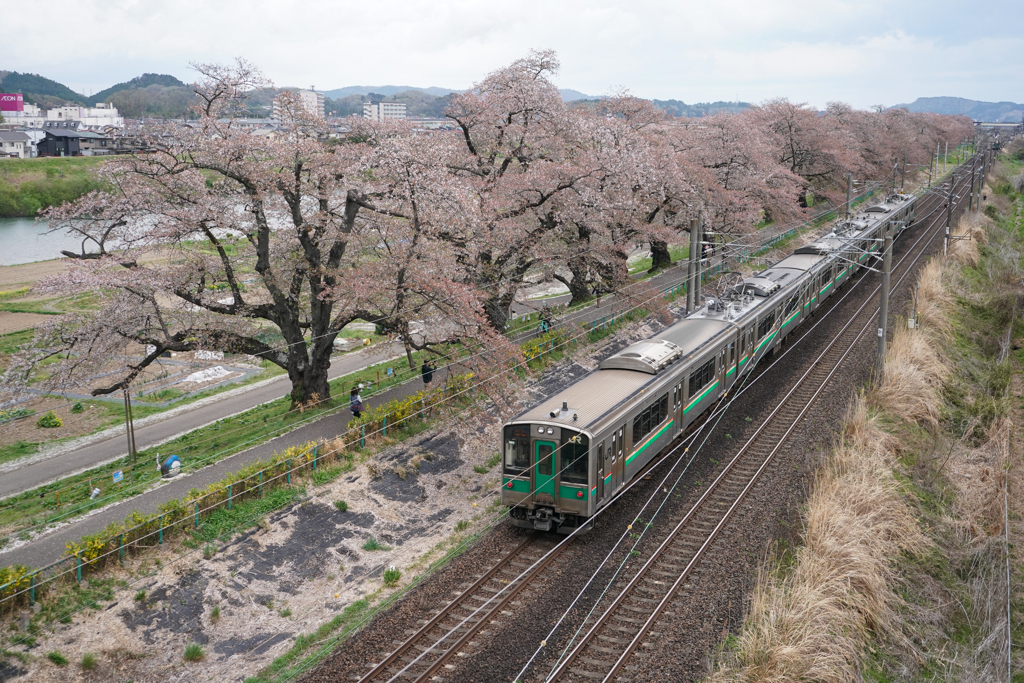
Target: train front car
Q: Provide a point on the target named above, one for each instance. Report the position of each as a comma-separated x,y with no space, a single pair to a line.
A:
546,474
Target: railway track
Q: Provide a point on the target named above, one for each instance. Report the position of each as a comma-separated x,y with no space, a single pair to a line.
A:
420,657
427,653
611,637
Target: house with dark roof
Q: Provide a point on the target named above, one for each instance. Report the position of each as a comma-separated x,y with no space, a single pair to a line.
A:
95,144
60,143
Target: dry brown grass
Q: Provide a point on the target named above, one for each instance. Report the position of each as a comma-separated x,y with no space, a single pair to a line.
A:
912,379
970,233
812,623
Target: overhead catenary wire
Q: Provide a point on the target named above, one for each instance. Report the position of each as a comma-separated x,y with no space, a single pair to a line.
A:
493,378
319,654
475,612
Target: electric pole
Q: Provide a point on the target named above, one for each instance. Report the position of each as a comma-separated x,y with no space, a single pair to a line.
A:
691,267
700,253
945,157
849,194
883,305
129,426
949,213
903,174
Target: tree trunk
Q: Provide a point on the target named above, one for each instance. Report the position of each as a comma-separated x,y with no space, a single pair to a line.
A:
660,257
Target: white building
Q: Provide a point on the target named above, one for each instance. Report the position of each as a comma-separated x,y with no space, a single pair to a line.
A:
31,117
311,100
378,111
101,116
14,143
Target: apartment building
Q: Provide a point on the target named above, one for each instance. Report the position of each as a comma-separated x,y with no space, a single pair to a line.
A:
378,111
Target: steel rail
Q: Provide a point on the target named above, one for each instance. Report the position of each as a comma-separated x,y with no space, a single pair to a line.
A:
768,425
383,670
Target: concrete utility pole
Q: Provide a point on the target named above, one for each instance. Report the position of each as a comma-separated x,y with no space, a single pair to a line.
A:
691,266
883,305
849,194
700,266
903,174
945,157
970,194
949,212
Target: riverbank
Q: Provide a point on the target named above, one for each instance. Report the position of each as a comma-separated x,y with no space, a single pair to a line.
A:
29,185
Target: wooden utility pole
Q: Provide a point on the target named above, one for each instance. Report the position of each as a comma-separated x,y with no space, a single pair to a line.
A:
883,305
129,427
691,266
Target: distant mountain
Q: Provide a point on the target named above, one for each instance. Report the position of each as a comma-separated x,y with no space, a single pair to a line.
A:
338,93
681,109
388,90
39,90
137,83
573,95
991,112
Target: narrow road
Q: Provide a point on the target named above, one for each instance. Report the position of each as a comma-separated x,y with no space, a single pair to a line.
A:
155,430
49,548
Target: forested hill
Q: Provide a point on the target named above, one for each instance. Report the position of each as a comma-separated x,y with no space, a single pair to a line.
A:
677,108
137,83
39,90
992,112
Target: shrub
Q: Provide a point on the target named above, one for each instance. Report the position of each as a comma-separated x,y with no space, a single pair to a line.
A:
14,413
391,576
89,661
140,596
341,505
57,658
49,421
77,408
194,652
372,545
991,211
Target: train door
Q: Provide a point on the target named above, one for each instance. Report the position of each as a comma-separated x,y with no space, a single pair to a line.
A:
601,469
720,370
544,471
618,461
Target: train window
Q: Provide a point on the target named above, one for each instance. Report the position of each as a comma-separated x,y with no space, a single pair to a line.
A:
790,307
701,377
651,417
575,464
544,452
517,455
764,326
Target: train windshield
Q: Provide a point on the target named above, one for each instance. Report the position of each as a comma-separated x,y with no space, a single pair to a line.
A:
575,463
517,449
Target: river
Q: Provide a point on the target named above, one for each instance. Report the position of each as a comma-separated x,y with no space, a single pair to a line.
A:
23,240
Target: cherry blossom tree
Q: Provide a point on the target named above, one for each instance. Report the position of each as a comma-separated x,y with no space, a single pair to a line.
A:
525,158
269,247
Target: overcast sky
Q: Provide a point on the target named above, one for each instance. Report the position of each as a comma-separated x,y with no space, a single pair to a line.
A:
864,53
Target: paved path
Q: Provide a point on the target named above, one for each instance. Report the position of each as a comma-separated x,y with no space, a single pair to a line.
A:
156,430
49,548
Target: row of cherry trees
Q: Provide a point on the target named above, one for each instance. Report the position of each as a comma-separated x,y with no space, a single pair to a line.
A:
220,237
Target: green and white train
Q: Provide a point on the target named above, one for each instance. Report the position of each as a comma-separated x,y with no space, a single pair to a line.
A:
565,458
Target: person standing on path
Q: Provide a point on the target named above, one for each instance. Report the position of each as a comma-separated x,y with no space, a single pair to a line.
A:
428,372
355,401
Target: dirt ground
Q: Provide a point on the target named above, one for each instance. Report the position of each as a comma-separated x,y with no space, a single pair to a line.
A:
304,564
75,424
27,274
